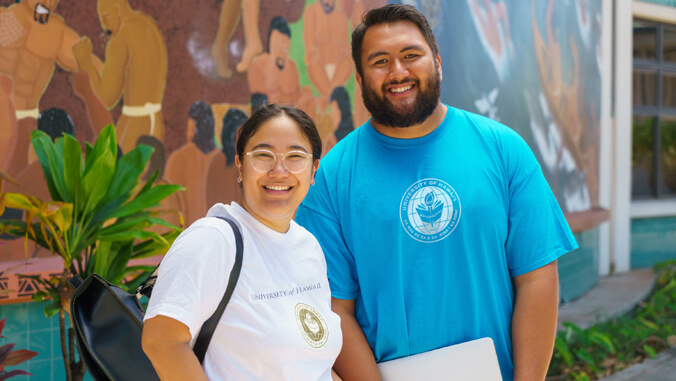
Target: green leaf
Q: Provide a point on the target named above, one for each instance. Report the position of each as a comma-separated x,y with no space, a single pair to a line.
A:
129,168
649,350
562,349
44,150
52,309
97,180
72,169
105,143
586,357
648,324
118,265
101,258
603,340
147,199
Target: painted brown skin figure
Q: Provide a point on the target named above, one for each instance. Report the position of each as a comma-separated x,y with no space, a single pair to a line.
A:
8,127
275,74
32,39
136,67
227,22
327,48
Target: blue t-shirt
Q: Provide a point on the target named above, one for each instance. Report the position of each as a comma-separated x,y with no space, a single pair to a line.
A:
427,233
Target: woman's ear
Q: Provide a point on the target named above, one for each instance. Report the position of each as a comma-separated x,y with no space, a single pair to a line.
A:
238,163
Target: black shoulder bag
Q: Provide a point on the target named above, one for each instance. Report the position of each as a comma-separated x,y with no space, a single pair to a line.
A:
108,323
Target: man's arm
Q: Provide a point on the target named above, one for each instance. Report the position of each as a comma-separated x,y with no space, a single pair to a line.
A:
534,321
66,58
355,361
109,84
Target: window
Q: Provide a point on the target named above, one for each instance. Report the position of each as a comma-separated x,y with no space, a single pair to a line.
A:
654,108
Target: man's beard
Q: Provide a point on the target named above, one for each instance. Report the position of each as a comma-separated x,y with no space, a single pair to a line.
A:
385,113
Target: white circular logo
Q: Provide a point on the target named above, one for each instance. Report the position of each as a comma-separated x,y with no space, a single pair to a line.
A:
311,325
429,210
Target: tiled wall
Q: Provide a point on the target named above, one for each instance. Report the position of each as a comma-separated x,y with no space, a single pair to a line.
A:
653,240
28,327
579,269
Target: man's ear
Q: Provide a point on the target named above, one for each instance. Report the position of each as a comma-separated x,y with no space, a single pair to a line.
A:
358,78
441,73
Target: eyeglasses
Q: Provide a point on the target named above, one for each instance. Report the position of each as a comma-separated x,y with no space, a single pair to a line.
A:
294,161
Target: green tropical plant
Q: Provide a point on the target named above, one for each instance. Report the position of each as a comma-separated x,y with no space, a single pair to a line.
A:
97,221
608,347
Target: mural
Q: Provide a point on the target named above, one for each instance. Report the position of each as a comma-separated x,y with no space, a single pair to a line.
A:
184,76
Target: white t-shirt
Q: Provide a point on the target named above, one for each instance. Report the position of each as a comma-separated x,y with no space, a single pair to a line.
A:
278,324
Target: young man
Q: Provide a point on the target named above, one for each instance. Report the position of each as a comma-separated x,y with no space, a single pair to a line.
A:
437,225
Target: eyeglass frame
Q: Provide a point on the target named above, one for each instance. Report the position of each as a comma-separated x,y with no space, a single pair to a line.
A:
274,155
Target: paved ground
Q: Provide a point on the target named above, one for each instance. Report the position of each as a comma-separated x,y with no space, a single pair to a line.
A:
614,296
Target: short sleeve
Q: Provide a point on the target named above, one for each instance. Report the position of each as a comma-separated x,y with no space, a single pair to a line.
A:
538,232
318,216
193,276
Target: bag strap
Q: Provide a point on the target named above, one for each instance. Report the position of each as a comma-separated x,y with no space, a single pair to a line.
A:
209,326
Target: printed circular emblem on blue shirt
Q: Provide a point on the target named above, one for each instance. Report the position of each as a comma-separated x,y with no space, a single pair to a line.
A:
429,210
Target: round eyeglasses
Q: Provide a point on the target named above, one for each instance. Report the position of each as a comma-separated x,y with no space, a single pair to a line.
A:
294,161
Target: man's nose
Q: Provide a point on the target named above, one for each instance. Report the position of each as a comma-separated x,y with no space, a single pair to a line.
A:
398,70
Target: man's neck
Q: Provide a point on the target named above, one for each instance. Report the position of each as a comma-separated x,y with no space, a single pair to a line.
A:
430,124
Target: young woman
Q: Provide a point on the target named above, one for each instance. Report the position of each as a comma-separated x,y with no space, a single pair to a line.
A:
278,324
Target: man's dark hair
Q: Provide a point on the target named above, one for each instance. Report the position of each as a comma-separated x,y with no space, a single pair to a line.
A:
390,14
265,113
201,113
339,94
55,122
280,25
232,121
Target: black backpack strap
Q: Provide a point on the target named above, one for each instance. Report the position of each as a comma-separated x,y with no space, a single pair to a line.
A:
209,326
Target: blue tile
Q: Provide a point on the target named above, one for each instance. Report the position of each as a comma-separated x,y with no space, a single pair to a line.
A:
20,339
58,371
17,318
41,342
36,317
41,370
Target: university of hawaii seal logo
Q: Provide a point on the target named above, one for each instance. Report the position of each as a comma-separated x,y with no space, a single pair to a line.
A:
311,325
429,210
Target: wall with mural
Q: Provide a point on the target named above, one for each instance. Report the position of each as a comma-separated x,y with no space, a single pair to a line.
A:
183,76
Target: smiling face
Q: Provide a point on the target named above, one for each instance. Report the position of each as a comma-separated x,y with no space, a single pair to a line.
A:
272,197
401,81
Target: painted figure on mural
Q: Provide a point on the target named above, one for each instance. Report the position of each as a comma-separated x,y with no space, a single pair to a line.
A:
32,39
275,74
54,122
327,48
231,11
222,173
97,113
187,166
575,154
8,125
136,67
491,22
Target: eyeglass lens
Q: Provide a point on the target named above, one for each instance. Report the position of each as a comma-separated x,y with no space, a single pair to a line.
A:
264,161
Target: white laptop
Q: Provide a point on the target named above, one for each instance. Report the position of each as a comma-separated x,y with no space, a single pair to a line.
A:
474,360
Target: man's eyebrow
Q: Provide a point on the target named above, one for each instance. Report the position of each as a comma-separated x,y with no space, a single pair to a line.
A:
381,53
374,55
